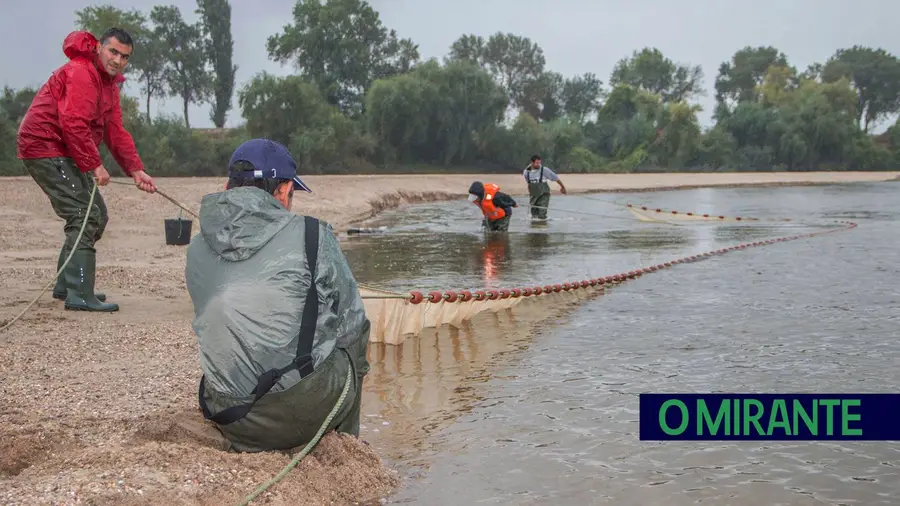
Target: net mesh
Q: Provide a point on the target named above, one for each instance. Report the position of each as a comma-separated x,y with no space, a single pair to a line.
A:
395,317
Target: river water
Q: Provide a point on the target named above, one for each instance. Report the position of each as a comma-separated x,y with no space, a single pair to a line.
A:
539,404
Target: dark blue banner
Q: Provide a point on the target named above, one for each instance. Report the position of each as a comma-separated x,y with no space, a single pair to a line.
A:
771,417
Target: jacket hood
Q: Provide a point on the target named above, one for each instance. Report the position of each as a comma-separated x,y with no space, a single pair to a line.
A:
81,44
477,189
237,223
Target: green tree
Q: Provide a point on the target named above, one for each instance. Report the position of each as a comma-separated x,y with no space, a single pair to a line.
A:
581,96
468,47
681,142
435,113
738,79
542,97
717,150
513,60
776,85
152,68
626,125
343,47
15,103
818,125
470,104
399,113
186,74
751,127
216,24
9,163
813,71
563,137
875,74
292,110
277,107
651,71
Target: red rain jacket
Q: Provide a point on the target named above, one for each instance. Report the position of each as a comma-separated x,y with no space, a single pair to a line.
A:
76,109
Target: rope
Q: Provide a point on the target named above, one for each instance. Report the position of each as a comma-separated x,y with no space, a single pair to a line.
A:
601,199
581,212
61,269
170,199
693,215
306,449
386,296
644,212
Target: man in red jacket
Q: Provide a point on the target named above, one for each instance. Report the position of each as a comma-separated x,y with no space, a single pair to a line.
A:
58,140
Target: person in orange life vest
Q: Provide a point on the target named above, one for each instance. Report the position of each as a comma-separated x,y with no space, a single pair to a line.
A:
494,204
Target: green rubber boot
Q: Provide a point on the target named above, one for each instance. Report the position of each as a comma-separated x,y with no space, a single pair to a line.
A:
59,291
79,281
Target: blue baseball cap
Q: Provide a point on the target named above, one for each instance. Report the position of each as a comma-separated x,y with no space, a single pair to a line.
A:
269,159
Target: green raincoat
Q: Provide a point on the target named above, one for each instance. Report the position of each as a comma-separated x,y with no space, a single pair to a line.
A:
248,276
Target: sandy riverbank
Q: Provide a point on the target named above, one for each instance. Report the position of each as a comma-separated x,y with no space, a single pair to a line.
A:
88,402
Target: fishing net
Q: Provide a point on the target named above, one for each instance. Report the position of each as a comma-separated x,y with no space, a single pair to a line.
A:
395,316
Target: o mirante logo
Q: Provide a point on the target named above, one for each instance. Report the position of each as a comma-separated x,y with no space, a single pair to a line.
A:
777,417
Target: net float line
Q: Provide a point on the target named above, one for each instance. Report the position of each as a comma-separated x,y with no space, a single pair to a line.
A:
657,215
645,213
395,316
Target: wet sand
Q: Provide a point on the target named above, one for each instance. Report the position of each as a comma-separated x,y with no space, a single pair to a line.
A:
100,408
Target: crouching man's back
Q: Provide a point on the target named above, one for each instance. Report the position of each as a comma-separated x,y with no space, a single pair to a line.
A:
274,365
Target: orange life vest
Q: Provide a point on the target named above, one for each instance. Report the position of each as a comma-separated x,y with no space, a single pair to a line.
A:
490,211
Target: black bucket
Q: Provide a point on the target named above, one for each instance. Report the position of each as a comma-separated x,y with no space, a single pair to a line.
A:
178,231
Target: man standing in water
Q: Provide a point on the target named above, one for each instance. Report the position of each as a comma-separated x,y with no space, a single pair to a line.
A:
278,315
536,175
76,109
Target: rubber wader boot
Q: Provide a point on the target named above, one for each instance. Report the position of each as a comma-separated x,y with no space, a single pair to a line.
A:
80,283
59,291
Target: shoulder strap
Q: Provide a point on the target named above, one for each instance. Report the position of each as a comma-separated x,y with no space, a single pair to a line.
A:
302,361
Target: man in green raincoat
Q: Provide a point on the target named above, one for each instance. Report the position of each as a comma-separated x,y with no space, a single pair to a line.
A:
536,175
277,312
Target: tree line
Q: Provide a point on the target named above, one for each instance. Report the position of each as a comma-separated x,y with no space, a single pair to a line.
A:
364,100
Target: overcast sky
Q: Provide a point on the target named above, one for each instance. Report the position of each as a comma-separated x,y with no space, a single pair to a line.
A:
577,36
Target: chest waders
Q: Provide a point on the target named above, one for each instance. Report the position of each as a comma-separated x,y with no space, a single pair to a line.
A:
498,225
539,197
501,225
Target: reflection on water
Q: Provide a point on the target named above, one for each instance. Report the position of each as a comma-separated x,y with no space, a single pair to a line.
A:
494,256
538,404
